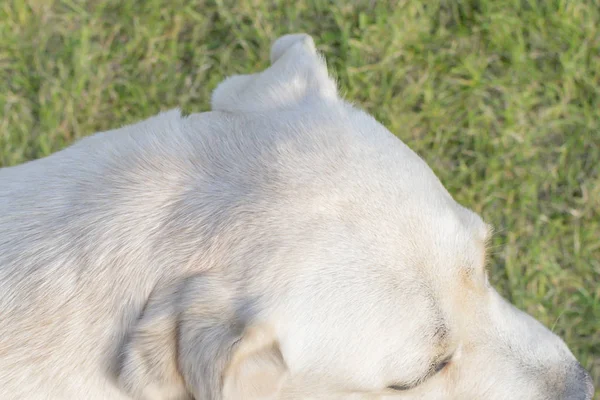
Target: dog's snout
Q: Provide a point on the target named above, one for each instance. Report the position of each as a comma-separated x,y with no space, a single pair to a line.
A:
579,385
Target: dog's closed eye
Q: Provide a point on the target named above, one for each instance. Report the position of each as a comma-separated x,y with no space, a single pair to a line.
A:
436,369
440,366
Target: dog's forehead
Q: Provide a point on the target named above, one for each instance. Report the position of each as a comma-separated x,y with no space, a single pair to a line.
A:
347,166
340,149
335,166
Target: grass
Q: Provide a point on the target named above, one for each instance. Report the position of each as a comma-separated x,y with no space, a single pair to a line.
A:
501,98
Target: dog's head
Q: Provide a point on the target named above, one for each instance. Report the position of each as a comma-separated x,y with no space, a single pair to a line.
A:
347,270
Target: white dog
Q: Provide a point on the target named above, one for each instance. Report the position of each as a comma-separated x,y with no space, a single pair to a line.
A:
283,246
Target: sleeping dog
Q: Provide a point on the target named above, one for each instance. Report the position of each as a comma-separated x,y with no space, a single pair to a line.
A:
284,245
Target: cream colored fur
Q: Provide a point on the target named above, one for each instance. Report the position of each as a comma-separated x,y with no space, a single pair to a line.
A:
284,245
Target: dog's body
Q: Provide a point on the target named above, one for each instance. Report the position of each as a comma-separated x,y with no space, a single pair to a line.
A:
282,246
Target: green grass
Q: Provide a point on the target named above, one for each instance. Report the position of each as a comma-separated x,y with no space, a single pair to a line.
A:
501,98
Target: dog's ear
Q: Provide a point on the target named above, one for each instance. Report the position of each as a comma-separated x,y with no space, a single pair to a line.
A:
194,340
257,369
297,72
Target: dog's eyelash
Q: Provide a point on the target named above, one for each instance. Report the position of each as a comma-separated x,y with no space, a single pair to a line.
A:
434,370
400,387
440,366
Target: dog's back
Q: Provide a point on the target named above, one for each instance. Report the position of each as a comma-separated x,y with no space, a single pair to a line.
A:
74,230
87,233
